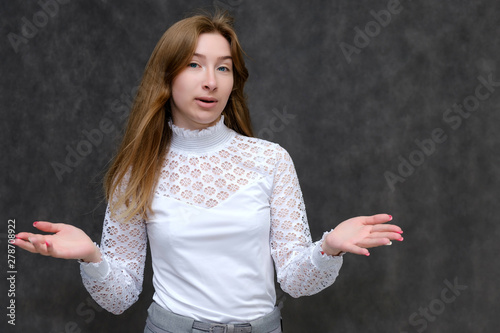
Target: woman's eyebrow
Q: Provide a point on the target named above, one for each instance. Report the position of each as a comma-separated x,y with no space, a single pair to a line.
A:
218,58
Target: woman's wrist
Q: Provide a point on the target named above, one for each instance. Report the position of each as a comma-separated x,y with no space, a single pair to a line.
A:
95,257
330,251
325,249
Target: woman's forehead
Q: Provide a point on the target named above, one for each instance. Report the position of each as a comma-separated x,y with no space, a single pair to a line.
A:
212,44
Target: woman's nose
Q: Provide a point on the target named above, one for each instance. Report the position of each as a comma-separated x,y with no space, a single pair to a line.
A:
210,81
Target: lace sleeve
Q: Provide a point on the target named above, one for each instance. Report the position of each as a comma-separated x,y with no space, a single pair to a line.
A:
116,282
301,268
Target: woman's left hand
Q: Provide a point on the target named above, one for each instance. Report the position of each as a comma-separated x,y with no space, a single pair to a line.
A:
358,234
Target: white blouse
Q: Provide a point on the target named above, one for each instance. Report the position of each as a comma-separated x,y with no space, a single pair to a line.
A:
226,209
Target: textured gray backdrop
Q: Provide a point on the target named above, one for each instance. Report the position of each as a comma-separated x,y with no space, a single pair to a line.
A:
384,106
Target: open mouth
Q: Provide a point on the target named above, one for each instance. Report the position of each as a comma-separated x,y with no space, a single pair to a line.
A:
206,100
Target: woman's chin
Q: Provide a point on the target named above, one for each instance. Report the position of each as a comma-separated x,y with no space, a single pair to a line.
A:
197,122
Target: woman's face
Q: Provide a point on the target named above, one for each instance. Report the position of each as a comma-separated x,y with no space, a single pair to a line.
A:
200,92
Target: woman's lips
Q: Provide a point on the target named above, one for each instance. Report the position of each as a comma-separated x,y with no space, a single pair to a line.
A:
206,102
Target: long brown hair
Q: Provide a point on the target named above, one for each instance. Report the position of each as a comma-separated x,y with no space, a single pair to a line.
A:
133,174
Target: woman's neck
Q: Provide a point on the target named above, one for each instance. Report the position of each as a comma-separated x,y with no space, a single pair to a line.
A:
200,141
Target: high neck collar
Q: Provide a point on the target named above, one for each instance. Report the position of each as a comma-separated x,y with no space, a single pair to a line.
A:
200,140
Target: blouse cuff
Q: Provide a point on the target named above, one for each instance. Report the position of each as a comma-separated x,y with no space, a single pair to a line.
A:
322,260
96,270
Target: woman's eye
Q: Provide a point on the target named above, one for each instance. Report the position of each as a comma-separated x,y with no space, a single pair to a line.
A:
193,65
223,69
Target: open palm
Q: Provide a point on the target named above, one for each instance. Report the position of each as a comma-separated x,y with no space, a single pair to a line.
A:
66,241
357,234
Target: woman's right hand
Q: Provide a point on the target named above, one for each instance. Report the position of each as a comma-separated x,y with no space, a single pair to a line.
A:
67,242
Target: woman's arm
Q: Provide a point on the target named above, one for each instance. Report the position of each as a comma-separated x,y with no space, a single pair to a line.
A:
113,272
115,283
303,267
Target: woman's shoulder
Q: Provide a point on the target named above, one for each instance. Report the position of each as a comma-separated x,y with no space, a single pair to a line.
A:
261,147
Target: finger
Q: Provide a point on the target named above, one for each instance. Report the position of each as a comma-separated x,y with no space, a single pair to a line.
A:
24,235
25,245
39,244
50,248
387,228
25,241
47,226
377,219
388,235
351,248
373,242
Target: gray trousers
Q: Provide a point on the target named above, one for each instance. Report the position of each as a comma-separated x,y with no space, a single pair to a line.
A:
161,320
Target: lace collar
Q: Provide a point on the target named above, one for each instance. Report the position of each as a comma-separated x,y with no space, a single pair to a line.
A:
200,141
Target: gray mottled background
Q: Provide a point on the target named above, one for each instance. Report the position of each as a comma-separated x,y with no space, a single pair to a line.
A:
352,121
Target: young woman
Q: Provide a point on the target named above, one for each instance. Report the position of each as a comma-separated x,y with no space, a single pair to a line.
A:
221,209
